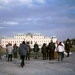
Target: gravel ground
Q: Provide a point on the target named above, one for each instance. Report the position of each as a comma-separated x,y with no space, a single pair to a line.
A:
39,66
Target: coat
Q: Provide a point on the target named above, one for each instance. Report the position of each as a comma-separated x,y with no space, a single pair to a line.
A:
36,48
44,49
67,47
15,48
10,49
28,48
22,49
51,46
60,48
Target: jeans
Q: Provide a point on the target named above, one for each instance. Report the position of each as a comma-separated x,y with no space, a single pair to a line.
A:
9,57
60,56
35,55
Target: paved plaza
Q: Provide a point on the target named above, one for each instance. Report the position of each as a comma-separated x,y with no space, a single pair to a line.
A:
39,67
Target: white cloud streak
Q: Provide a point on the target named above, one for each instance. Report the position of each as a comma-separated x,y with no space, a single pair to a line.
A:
4,1
11,23
40,1
1,27
26,2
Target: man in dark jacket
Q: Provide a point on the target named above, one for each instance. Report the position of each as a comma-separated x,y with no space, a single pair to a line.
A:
22,51
67,48
28,51
44,50
51,48
36,49
15,48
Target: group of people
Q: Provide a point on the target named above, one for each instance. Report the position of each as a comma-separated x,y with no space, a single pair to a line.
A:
23,50
50,51
11,50
55,50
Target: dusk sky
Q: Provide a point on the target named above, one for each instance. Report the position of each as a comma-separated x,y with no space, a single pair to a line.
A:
49,17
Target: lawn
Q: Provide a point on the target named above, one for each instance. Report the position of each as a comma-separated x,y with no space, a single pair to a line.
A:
31,53
73,49
39,53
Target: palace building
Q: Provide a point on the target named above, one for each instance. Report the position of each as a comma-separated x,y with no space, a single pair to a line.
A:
29,37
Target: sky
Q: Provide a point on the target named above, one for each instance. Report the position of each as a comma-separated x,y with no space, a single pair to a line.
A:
49,17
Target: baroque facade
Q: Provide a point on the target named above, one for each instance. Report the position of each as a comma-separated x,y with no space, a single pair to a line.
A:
31,38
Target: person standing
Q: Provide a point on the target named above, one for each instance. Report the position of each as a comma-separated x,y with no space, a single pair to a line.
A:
67,48
60,50
28,51
22,52
51,48
15,49
0,50
44,50
48,52
55,52
10,51
36,49
6,51
63,48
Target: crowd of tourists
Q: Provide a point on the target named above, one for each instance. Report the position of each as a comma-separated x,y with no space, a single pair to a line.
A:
50,52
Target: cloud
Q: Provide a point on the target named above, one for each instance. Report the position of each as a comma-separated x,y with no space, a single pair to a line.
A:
26,2
20,2
40,1
13,3
1,27
4,1
35,2
65,21
11,23
43,16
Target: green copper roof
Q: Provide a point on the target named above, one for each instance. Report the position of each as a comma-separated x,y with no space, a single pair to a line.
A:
20,34
37,34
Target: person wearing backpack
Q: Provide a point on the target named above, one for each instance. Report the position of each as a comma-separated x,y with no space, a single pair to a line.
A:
28,51
36,49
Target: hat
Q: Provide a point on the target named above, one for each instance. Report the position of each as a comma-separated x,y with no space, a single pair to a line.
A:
23,42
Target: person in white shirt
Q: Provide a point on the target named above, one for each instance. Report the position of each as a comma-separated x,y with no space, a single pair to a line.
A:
10,51
60,50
